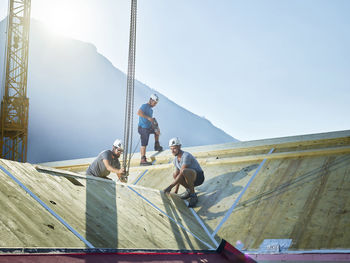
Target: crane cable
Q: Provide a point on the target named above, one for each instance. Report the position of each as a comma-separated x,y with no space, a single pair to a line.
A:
129,105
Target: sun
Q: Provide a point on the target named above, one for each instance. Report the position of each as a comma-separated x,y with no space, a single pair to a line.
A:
69,18
61,22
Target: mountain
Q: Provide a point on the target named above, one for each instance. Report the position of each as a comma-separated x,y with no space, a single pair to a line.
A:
77,102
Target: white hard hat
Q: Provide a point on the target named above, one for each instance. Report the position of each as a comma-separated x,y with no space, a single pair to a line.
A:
118,144
154,97
174,141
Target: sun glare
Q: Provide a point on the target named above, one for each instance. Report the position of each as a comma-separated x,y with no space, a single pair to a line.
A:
61,21
64,17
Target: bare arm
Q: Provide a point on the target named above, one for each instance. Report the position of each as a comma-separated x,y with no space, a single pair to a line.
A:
177,188
177,176
118,172
178,185
142,114
176,173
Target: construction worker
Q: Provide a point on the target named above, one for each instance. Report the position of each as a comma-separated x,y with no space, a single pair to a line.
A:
188,172
108,162
148,125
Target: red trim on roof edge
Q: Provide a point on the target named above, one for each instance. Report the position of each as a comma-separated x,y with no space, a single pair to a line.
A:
233,254
114,258
225,253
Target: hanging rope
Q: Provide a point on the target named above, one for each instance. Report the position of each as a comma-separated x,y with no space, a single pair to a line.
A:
129,105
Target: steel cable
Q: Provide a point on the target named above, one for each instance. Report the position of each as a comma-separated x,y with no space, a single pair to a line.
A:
129,105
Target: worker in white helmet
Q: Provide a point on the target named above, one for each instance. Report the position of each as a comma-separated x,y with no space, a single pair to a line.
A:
108,162
188,172
148,125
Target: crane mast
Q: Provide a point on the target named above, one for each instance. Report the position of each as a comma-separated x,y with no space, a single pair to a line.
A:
15,104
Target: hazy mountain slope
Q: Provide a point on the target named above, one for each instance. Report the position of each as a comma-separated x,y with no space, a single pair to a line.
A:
77,100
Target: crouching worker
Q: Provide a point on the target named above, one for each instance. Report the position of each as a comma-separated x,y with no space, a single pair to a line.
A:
108,162
188,172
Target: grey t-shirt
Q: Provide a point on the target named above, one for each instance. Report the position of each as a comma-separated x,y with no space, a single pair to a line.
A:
189,161
98,168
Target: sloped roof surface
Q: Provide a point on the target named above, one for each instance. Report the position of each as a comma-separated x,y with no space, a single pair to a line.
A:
293,188
299,191
105,213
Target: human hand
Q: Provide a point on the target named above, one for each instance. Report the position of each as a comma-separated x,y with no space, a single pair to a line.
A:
123,179
168,189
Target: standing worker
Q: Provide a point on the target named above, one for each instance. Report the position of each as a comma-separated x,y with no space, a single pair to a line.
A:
107,162
188,172
148,125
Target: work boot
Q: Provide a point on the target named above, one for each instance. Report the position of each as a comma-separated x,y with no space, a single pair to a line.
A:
185,195
144,161
157,147
193,200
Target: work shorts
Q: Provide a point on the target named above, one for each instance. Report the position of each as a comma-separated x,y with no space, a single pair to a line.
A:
145,132
199,178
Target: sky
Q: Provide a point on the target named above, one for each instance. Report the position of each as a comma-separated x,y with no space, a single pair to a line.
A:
255,68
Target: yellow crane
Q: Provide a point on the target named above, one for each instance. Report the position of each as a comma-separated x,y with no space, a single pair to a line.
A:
14,103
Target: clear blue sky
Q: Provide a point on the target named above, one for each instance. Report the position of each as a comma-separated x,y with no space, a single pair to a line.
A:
255,68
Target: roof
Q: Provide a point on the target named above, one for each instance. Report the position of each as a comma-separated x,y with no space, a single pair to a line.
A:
294,188
107,214
297,192
279,195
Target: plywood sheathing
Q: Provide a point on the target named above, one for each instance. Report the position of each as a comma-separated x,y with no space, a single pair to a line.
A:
303,199
301,192
23,221
306,200
107,214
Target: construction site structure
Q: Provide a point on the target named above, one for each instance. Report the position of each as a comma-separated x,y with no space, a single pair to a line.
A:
276,200
15,104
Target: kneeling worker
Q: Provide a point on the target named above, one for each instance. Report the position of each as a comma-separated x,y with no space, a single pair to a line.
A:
188,172
107,162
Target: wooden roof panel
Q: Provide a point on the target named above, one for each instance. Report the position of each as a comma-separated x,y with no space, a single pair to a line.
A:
299,192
